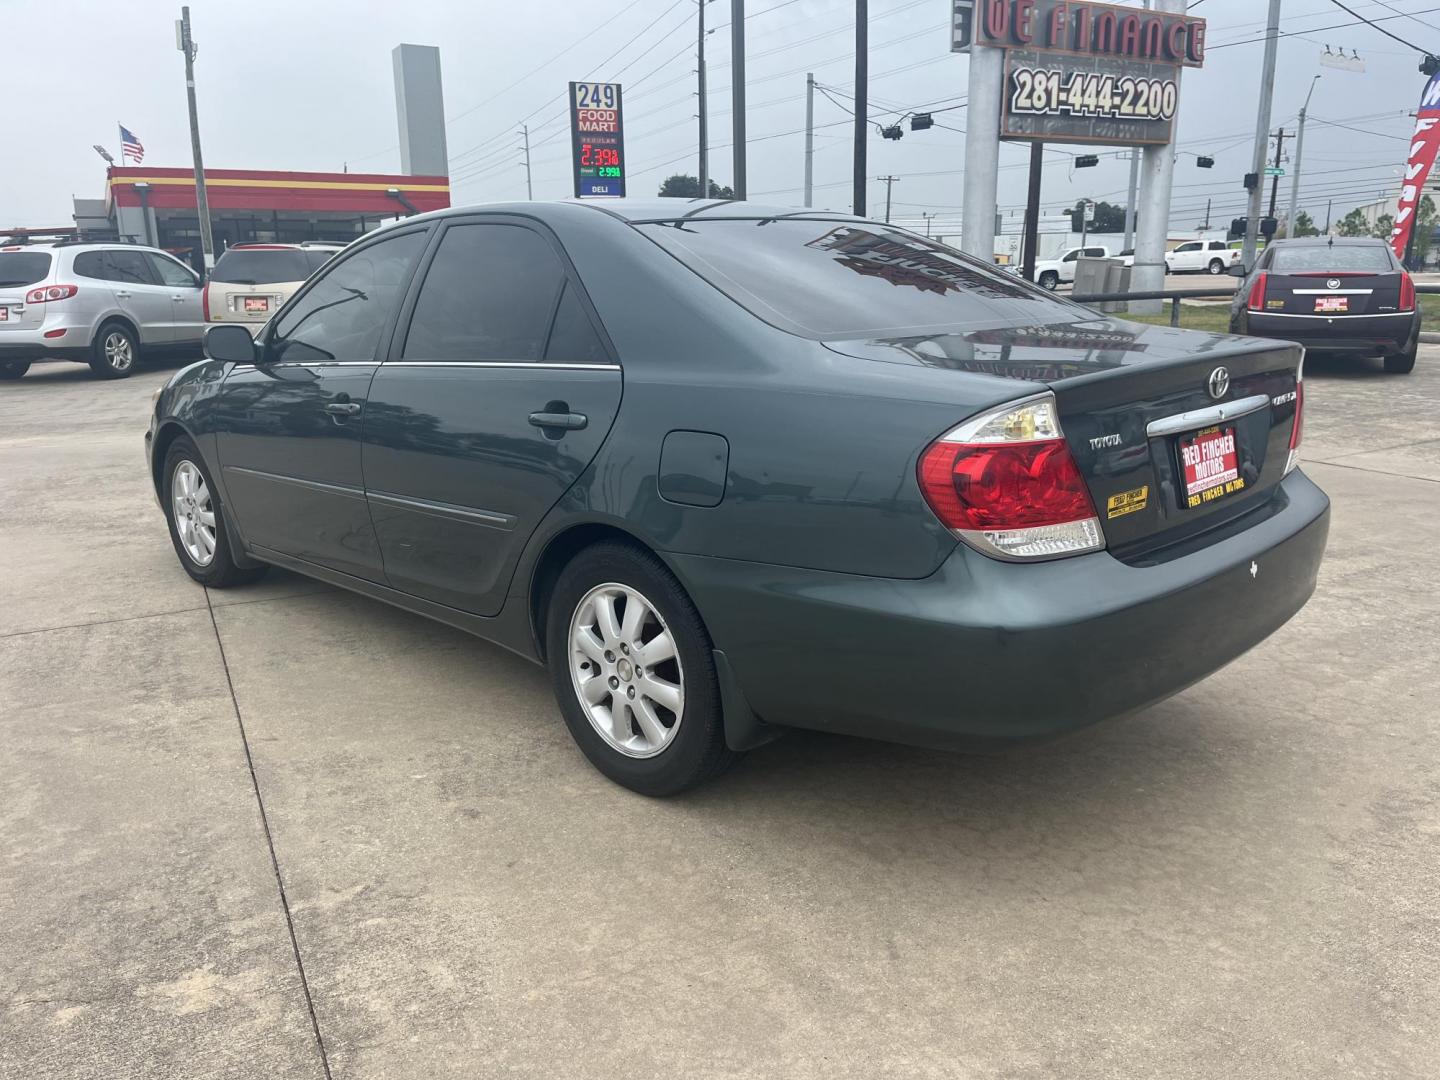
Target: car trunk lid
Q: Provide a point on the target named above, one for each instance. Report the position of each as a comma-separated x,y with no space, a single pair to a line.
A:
1333,295
1164,456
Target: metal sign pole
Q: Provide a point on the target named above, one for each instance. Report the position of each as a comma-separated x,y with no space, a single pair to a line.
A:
982,151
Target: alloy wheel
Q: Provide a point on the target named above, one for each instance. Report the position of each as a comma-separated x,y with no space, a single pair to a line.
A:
193,512
118,352
626,671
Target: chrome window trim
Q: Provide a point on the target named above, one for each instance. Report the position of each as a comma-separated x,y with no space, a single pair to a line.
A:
1332,292
1199,418
1330,315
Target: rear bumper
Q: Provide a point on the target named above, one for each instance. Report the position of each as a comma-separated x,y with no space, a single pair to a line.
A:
38,352
986,653
1341,333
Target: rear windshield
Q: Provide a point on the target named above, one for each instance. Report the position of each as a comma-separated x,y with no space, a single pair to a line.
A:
23,267
257,266
1326,259
836,279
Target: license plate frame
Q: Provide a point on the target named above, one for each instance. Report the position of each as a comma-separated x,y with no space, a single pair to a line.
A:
1209,464
1332,305
256,305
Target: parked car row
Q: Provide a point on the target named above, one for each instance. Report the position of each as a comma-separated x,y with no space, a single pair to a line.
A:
111,305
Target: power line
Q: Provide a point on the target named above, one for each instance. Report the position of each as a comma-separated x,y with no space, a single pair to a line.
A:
1367,22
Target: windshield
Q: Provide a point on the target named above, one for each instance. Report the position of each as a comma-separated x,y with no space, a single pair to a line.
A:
258,266
837,279
23,267
1326,259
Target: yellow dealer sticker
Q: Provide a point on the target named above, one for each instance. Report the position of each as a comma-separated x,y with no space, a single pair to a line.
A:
1127,502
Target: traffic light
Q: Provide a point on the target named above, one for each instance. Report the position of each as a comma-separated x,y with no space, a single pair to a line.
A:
1268,225
1252,181
1430,65
921,121
1239,226
1086,161
1205,162
894,131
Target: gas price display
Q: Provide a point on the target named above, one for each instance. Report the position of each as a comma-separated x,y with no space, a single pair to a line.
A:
597,140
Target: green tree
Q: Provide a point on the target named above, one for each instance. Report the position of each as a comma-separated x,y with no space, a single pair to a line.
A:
1384,226
1353,224
1108,217
683,186
1305,225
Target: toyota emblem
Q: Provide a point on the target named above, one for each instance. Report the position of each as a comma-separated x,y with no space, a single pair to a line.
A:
1219,382
1333,283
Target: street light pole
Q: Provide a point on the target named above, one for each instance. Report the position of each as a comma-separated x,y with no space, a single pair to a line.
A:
525,131
810,139
202,202
1299,152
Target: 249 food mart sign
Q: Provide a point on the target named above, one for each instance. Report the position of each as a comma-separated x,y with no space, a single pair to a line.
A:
1085,72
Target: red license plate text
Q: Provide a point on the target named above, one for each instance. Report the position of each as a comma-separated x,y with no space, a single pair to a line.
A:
1211,464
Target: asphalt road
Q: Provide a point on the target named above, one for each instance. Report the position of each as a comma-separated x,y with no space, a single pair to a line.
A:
288,832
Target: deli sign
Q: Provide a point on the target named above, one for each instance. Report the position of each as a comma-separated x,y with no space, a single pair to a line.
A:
1090,29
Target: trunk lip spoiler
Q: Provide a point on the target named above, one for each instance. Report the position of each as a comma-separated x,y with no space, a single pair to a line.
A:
1199,418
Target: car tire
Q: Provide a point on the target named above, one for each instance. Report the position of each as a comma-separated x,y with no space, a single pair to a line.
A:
622,600
1049,280
188,496
1401,363
1216,267
114,352
13,369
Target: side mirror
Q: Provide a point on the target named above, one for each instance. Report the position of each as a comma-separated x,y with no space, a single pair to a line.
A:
1238,271
230,344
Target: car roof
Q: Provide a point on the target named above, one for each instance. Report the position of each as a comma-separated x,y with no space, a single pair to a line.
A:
634,211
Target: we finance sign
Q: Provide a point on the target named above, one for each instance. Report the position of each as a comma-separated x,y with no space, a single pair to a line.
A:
597,140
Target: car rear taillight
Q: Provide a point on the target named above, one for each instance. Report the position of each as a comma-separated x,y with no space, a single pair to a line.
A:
1292,459
46,293
1256,301
1006,483
1407,293
205,302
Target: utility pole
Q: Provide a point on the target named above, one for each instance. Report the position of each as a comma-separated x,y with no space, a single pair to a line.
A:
525,131
889,184
809,139
1262,135
1329,206
737,93
704,111
1130,203
186,44
1299,150
1206,226
982,151
928,216
1031,239
862,100
1152,226
1275,180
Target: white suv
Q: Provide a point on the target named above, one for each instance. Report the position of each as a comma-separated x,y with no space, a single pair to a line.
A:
251,281
106,305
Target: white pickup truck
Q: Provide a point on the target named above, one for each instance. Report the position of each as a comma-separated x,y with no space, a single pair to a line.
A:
1051,272
1211,256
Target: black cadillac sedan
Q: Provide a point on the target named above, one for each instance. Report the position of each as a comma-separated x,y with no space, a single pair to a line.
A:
727,469
1332,294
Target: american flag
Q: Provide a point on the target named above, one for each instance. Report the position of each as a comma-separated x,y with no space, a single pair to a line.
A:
130,146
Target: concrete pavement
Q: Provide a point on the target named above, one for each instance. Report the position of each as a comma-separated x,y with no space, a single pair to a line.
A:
423,878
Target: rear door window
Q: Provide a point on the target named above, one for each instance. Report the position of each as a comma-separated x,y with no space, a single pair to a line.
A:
128,267
489,294
91,264
838,279
23,267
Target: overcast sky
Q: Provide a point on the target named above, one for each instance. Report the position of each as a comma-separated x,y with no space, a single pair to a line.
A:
307,85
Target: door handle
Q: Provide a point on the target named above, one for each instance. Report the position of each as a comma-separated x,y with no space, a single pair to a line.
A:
122,295
343,408
566,421
178,299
